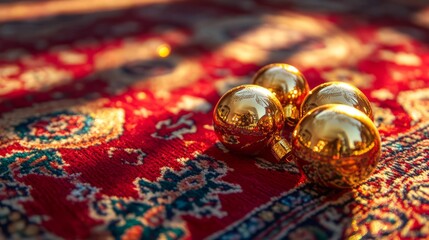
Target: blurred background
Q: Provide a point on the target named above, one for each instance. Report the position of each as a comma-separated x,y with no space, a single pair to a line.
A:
102,100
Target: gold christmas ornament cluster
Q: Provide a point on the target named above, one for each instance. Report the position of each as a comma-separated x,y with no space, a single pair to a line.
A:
335,142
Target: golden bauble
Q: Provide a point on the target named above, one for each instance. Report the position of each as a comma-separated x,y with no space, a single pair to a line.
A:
288,85
337,93
336,146
248,119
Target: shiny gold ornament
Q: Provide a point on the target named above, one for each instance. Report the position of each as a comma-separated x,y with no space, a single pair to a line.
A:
248,119
336,146
288,85
337,93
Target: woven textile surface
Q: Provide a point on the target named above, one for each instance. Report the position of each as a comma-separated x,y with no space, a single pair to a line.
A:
106,118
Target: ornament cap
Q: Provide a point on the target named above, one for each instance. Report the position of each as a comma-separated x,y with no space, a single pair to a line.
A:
280,147
291,112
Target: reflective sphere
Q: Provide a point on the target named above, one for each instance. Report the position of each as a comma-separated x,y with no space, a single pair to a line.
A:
336,146
288,85
247,118
337,93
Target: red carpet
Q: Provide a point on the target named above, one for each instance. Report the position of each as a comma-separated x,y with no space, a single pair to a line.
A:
106,118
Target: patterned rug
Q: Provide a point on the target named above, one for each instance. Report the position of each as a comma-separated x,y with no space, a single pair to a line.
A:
106,118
